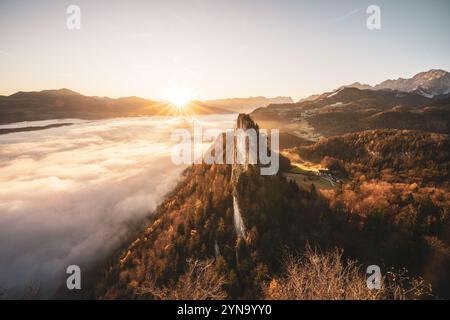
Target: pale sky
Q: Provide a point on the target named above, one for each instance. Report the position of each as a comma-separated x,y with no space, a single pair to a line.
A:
217,48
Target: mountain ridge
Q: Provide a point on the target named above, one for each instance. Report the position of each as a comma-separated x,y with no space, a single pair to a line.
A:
350,109
246,105
433,82
65,103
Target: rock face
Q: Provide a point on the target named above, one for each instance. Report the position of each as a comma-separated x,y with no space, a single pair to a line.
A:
237,217
244,154
241,147
245,122
241,151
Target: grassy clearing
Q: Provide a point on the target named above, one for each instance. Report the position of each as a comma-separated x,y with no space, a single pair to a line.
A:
304,181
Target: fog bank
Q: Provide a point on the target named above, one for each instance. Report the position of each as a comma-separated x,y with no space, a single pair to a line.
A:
67,194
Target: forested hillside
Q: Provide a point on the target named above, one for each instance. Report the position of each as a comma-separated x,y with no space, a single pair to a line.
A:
380,214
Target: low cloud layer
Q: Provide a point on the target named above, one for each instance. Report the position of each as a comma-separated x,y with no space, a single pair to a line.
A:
68,194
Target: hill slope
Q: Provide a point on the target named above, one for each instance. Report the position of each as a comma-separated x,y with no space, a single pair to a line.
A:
409,156
237,225
228,213
352,110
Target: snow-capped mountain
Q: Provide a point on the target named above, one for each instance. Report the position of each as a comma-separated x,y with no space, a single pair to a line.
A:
428,84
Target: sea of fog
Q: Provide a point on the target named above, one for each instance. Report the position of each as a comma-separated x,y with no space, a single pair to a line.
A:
68,194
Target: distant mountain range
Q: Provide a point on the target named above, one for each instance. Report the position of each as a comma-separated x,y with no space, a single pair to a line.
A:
429,84
353,108
425,89
246,105
65,103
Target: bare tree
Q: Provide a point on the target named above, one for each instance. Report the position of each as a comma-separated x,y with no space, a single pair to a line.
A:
317,276
200,282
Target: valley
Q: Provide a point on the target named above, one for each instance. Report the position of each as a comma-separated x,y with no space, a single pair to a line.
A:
363,180
181,151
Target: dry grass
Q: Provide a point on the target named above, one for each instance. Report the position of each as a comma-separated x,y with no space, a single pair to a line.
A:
304,181
318,276
200,282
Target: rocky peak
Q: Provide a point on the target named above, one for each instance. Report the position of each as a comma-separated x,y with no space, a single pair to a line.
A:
245,122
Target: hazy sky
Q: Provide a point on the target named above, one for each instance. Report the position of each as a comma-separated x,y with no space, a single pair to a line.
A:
217,48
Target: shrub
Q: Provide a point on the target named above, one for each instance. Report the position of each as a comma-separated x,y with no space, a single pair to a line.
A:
316,276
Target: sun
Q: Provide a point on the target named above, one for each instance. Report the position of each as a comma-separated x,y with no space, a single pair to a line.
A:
180,98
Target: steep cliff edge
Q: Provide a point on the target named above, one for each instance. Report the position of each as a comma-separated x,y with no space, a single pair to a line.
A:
241,223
